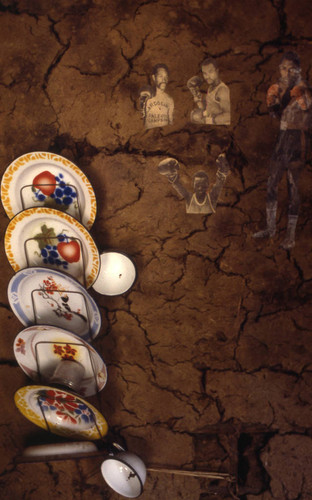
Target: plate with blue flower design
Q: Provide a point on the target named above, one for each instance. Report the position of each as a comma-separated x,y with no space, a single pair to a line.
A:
44,237
49,180
60,412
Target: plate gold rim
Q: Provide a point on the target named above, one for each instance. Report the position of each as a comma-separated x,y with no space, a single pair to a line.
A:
18,218
21,161
38,419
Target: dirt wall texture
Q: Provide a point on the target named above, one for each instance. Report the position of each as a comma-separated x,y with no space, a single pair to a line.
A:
209,354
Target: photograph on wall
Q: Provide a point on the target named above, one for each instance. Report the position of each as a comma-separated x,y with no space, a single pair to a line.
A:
156,105
290,101
214,106
201,200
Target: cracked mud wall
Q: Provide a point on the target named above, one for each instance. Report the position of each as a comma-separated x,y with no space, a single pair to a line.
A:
209,355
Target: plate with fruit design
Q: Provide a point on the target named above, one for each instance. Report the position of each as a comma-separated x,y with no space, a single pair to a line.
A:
42,296
49,180
60,412
44,237
40,349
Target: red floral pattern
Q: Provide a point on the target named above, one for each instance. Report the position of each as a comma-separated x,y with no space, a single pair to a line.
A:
59,300
65,351
20,346
66,406
50,286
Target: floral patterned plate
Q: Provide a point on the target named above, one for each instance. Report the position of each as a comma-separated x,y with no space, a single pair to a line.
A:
60,412
46,179
38,295
39,349
49,238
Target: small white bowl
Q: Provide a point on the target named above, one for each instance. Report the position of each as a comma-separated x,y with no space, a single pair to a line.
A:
116,275
125,473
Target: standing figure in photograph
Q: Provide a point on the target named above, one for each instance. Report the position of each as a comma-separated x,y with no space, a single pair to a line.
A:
214,108
202,200
290,101
157,108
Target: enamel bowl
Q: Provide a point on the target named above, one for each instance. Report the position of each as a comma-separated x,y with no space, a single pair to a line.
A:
125,473
116,275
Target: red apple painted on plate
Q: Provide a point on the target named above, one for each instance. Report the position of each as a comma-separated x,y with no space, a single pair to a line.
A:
69,250
45,181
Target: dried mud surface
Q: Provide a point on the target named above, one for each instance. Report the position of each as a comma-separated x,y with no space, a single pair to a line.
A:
209,354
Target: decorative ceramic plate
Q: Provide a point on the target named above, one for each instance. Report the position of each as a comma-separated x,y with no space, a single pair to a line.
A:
39,350
49,238
46,179
60,412
42,296
55,449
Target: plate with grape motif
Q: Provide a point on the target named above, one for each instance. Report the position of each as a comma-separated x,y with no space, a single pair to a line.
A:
42,296
49,180
60,412
41,349
45,237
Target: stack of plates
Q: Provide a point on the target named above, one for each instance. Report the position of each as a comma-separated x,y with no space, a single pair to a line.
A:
52,206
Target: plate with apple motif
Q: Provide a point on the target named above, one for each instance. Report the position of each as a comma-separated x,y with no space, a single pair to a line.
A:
49,180
44,237
39,350
60,412
42,296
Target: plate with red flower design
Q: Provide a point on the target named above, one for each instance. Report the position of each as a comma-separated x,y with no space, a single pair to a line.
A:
46,179
38,295
60,412
40,349
49,238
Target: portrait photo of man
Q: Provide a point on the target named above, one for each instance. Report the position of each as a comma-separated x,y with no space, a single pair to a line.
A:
290,101
214,107
156,105
202,200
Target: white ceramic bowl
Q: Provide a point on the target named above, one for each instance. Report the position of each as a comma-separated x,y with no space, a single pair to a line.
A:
125,473
117,274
